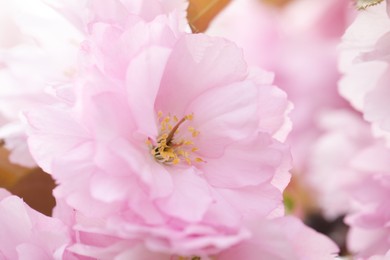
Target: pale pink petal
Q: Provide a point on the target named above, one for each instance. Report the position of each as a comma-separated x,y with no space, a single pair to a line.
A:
151,173
108,188
224,115
368,242
27,234
143,88
195,65
176,203
283,238
260,200
55,128
273,110
249,162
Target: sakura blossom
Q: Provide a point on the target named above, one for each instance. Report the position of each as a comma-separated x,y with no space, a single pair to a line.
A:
364,63
263,136
166,123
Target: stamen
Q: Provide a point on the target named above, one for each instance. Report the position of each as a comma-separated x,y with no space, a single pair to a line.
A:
165,149
159,114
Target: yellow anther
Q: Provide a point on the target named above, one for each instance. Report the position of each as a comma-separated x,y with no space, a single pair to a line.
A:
189,117
176,161
159,114
175,118
194,149
197,159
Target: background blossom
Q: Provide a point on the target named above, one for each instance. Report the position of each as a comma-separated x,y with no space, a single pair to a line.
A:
38,52
365,64
369,234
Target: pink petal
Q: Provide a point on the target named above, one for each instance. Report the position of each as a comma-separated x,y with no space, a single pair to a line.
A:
52,132
278,239
197,63
250,162
253,202
143,86
181,203
108,188
223,115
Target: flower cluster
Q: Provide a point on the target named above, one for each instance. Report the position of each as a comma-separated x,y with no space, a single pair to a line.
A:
364,61
167,144
154,139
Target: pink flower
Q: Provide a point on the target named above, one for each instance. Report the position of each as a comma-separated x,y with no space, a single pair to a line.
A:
365,64
27,234
350,172
168,143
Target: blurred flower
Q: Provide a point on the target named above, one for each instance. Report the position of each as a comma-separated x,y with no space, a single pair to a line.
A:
333,159
37,49
349,172
365,62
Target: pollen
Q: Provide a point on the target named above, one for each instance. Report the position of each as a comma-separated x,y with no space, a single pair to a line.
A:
171,146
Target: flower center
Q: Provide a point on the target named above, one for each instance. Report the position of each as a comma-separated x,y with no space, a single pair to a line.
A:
172,146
